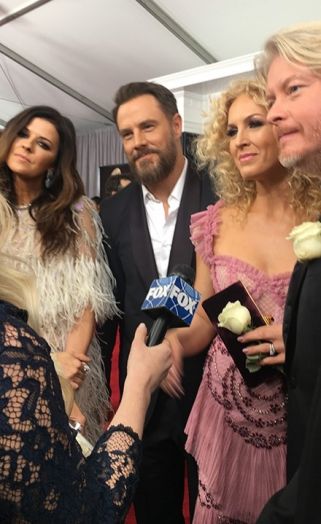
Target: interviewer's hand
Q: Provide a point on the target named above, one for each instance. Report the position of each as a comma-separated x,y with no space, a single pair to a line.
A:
148,366
70,365
264,336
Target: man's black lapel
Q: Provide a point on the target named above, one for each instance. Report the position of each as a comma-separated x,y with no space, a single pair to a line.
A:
182,251
291,309
140,240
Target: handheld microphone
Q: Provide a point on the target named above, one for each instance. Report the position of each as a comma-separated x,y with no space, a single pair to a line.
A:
171,301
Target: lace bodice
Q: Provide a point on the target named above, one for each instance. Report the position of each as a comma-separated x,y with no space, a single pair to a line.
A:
43,475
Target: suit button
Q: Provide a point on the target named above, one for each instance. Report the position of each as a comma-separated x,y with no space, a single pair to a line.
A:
292,382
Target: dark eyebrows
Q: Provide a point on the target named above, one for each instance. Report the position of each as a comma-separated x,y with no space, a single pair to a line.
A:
124,131
141,125
247,118
45,139
26,128
147,122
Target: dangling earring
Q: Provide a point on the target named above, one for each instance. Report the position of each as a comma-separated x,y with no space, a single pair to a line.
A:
50,177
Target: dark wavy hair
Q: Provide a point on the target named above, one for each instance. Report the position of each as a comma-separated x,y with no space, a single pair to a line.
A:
52,209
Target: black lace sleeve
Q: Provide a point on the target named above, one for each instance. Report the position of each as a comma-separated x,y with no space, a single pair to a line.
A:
43,476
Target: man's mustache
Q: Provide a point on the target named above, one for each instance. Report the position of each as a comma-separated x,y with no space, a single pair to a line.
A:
144,151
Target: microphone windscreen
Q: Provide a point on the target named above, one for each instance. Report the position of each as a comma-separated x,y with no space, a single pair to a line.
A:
184,271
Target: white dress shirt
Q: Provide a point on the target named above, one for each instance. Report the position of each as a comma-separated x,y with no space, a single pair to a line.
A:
161,228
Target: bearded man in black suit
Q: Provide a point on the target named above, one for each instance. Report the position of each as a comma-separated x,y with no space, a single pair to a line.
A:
147,225
292,66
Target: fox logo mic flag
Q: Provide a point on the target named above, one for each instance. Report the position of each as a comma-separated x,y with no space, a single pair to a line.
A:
172,302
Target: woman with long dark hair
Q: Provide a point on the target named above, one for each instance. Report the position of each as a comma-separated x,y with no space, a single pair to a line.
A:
56,230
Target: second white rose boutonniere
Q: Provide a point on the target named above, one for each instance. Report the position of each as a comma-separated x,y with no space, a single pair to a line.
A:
235,318
306,240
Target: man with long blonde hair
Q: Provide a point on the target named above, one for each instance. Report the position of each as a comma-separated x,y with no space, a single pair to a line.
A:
291,64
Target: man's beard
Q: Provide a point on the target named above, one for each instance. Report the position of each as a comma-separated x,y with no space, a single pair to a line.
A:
150,172
310,161
291,161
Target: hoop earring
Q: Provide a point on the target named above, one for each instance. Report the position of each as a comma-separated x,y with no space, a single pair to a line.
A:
50,177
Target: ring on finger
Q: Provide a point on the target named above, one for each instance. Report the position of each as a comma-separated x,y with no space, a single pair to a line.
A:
85,369
74,424
272,350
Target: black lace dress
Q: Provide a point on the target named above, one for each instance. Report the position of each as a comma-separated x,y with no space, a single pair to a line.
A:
43,476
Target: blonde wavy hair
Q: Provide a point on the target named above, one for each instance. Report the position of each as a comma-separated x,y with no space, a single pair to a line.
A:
212,148
300,45
212,153
16,287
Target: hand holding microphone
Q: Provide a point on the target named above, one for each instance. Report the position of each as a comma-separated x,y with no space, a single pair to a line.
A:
145,370
145,367
172,302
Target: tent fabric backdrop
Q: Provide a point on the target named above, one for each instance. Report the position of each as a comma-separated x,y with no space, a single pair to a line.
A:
97,148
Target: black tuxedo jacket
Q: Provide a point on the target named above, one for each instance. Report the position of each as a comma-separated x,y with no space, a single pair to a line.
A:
132,262
300,501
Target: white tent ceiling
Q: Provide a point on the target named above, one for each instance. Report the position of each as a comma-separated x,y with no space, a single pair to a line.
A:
88,48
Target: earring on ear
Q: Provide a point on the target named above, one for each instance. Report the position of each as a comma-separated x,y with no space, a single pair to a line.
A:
50,177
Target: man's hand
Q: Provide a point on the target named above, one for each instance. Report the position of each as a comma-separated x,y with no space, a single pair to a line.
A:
172,384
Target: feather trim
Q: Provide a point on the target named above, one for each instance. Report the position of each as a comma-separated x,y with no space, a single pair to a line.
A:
67,285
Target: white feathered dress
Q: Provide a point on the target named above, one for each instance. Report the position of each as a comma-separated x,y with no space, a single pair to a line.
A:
66,286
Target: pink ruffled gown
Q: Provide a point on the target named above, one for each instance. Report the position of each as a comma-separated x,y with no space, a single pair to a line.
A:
237,435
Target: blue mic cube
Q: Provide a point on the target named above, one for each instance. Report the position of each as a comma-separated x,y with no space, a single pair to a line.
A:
172,295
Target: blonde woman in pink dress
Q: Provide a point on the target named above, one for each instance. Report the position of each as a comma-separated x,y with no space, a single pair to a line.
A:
238,435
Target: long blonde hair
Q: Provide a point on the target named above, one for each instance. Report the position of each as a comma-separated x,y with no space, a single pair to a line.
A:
298,44
301,45
16,287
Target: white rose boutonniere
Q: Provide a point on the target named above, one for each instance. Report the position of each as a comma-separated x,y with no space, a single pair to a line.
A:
306,240
235,318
